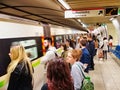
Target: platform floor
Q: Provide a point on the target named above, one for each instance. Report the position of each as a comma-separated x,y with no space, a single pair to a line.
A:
106,75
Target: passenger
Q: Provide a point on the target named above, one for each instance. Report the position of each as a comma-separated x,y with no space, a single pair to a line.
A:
105,48
20,70
64,52
51,51
96,43
73,58
77,43
72,43
58,76
110,40
91,48
85,58
67,42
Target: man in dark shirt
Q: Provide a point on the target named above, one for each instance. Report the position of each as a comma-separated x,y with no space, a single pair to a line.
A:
85,58
91,48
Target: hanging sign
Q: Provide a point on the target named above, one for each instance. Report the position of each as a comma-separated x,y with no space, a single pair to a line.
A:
84,13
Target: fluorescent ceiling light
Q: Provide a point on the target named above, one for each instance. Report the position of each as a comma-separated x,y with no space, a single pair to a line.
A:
64,4
84,25
79,20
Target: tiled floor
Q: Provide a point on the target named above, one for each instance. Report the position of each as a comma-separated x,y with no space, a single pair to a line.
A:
106,75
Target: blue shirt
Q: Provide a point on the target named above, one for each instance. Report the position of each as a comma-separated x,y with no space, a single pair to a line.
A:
85,58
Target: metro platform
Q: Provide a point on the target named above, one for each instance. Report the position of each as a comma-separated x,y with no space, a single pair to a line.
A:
106,75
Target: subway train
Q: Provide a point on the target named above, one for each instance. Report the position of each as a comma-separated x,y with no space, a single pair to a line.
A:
31,37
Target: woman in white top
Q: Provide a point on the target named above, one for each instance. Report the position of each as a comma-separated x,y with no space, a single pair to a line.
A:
105,47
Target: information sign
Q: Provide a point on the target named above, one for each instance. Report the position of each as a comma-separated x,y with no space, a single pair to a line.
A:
84,13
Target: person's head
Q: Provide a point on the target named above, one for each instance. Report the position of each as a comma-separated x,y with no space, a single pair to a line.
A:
17,52
110,37
89,37
64,47
83,42
47,42
58,75
73,56
67,42
104,38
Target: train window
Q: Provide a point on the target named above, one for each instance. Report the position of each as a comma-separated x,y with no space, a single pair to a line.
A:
32,52
70,37
30,48
27,43
67,37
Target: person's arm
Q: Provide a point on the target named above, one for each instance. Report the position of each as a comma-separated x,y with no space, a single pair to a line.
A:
48,56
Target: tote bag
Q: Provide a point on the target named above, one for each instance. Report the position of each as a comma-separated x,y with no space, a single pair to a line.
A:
87,84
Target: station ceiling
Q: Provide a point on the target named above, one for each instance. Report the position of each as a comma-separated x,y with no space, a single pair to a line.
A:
51,11
93,4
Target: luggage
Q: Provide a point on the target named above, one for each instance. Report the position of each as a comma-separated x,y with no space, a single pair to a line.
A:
100,53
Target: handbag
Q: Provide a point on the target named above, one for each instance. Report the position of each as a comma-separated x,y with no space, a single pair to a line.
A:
87,84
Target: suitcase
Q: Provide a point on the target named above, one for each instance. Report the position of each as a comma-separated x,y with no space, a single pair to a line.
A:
100,53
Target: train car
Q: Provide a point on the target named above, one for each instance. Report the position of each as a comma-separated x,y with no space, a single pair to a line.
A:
30,36
27,35
60,34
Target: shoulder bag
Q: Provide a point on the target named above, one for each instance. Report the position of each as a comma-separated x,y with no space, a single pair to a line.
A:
87,84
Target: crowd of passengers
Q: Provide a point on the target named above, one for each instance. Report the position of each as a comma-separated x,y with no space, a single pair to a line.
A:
62,72
75,53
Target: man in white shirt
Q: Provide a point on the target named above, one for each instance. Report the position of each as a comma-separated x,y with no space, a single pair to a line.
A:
49,55
51,51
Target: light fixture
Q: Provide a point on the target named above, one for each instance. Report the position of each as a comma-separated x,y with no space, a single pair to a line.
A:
64,4
84,25
79,20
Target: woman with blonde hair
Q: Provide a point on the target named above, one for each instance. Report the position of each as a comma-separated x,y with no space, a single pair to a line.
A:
20,71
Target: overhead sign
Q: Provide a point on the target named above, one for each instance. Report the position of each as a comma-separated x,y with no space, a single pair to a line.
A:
84,13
